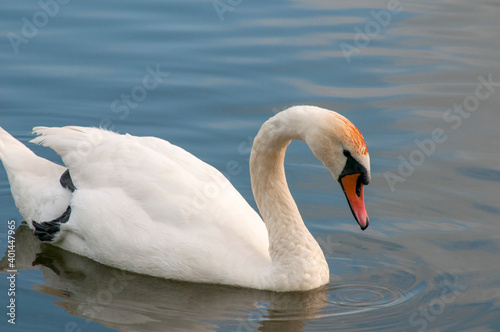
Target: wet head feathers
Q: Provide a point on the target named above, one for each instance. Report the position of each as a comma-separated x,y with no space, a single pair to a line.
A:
351,134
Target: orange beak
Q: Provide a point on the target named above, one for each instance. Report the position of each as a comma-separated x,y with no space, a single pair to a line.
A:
354,192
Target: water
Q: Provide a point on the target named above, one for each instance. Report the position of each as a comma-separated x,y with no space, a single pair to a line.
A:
412,80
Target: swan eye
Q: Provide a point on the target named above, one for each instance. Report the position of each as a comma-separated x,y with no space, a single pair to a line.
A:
352,166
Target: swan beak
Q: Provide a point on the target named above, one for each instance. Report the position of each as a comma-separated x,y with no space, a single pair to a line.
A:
354,192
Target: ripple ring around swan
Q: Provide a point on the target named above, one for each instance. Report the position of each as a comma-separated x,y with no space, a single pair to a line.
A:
366,296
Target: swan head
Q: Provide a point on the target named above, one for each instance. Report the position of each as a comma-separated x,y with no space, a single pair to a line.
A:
340,146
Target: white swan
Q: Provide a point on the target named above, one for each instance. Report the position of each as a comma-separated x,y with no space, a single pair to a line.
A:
147,206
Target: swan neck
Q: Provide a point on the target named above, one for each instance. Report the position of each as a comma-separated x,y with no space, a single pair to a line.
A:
267,172
291,246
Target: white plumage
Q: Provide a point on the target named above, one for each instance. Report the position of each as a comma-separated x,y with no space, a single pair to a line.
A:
147,206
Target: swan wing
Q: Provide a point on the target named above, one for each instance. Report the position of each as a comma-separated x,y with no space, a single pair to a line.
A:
157,175
179,209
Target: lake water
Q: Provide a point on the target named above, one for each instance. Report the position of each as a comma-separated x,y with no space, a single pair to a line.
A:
418,78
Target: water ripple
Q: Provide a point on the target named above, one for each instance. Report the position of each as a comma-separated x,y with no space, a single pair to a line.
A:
366,296
480,173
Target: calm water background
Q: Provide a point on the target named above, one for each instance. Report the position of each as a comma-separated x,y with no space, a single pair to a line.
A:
412,80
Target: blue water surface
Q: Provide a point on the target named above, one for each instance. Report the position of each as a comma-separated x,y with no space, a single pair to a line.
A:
420,79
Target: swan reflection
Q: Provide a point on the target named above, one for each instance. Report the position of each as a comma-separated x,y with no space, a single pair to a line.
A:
132,302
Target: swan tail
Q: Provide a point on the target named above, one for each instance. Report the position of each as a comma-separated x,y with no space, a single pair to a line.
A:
10,145
15,156
34,181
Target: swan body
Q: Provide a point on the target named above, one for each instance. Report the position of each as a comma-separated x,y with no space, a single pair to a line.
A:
144,205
